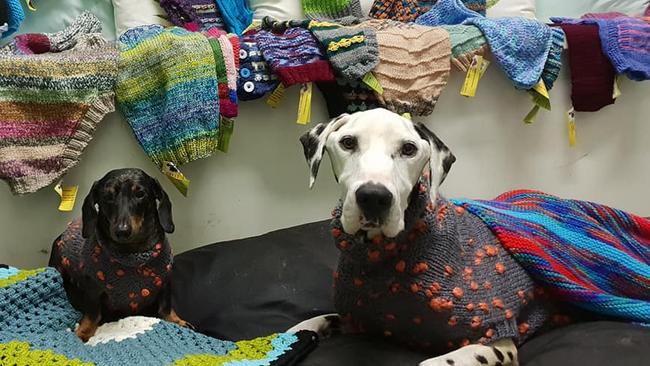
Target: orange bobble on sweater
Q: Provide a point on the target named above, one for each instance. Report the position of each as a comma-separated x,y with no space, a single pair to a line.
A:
500,268
420,268
484,307
497,303
400,266
449,271
474,286
475,323
469,307
457,292
100,275
491,250
453,320
523,328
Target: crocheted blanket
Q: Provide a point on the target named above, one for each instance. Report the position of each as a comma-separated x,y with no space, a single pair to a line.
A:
36,321
591,255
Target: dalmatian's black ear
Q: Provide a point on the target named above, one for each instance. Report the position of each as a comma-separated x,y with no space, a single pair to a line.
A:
441,158
313,143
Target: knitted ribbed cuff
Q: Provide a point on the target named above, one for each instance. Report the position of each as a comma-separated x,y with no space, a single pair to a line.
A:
320,70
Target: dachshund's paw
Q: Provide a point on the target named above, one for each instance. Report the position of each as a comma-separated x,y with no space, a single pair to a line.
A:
172,317
86,330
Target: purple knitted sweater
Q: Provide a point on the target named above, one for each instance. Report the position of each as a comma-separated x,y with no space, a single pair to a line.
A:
131,282
444,282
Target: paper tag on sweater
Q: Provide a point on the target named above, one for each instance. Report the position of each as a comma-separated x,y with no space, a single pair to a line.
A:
571,124
530,117
226,128
276,97
177,178
30,5
617,88
371,80
304,105
540,88
483,68
68,196
472,78
407,115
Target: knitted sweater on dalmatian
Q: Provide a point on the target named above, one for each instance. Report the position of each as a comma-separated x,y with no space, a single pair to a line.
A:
444,282
131,281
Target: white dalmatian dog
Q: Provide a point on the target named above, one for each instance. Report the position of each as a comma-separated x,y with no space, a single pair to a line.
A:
385,152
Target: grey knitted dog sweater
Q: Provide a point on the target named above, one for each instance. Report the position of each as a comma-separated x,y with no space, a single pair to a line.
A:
131,282
443,283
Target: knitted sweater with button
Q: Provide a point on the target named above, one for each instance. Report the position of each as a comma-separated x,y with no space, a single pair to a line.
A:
442,283
131,281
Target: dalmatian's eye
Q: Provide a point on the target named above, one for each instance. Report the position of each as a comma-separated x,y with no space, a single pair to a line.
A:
348,142
409,149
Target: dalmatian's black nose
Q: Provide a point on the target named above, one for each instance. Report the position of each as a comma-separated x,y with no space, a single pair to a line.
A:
374,200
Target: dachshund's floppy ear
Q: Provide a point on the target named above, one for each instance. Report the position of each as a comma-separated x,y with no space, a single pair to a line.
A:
314,140
441,158
89,213
164,207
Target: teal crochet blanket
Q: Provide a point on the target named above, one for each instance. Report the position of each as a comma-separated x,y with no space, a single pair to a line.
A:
37,322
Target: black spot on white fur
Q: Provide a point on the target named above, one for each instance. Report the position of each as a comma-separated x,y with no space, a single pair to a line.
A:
498,364
309,145
481,359
319,129
511,356
498,353
450,362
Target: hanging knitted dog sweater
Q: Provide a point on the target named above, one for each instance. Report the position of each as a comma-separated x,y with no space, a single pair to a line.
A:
442,283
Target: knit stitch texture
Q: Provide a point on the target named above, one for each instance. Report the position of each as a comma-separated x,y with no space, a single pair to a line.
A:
36,318
255,78
194,15
236,14
131,282
352,51
593,256
467,41
331,9
15,16
51,102
168,92
625,40
442,283
592,74
347,96
295,56
398,10
414,65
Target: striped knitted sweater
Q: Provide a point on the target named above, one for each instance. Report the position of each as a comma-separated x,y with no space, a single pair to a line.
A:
36,321
593,256
442,283
50,103
167,90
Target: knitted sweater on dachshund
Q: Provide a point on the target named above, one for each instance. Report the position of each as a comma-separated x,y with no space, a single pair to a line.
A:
444,282
131,281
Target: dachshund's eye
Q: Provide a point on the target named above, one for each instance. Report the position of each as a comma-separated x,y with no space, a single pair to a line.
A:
409,149
348,142
139,194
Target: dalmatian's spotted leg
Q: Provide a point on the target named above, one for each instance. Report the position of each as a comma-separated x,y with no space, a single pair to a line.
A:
500,353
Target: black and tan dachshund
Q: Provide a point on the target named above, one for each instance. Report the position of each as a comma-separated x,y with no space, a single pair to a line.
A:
116,261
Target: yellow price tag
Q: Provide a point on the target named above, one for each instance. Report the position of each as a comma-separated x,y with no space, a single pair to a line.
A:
371,80
530,117
407,115
483,68
304,105
276,97
472,78
540,88
571,124
617,88
68,196
177,178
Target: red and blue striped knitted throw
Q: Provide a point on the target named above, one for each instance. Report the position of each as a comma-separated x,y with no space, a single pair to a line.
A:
591,255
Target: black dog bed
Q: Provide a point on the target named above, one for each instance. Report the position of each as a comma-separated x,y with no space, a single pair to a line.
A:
252,287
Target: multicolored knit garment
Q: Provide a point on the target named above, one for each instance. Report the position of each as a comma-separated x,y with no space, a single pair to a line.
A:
51,102
352,51
36,321
225,48
131,282
467,41
591,255
444,282
14,17
521,46
194,15
294,55
255,78
167,90
625,40
399,10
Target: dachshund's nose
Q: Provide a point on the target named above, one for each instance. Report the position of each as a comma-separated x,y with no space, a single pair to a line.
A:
123,231
374,200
